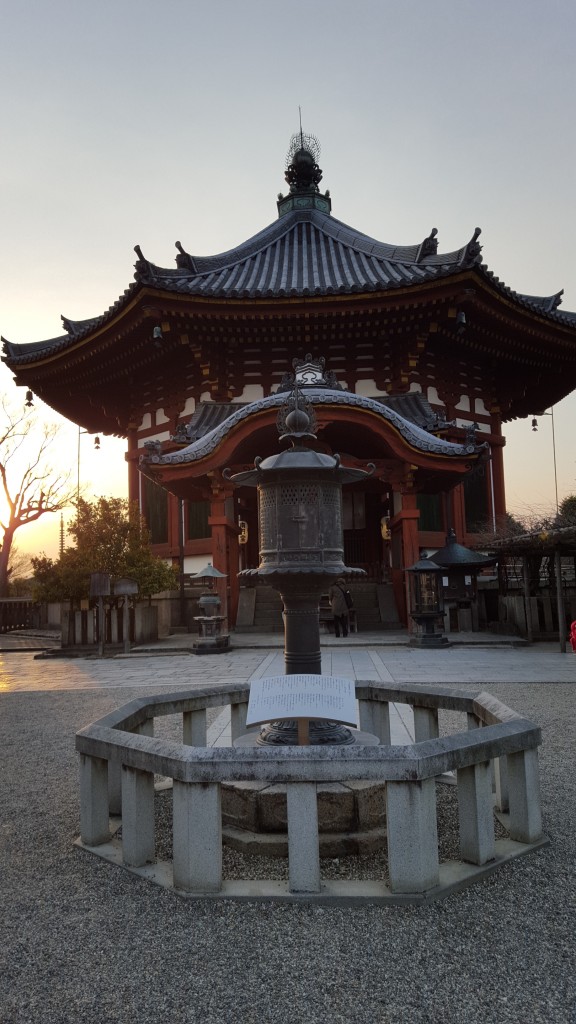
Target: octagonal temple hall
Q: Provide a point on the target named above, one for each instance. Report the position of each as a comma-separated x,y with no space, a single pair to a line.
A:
412,359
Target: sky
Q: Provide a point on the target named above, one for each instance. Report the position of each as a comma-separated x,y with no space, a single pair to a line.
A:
132,122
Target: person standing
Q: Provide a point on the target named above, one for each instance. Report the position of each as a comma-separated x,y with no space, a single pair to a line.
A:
339,607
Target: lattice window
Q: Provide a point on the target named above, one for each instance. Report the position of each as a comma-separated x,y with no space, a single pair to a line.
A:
303,494
267,519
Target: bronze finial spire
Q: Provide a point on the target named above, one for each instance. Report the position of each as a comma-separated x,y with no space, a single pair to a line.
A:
303,175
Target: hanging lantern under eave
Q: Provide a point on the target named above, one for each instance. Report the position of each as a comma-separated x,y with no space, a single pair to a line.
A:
426,602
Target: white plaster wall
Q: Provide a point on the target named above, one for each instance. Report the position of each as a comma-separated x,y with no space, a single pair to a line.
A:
161,418
193,563
480,407
146,421
415,387
206,397
251,393
189,407
463,404
367,389
433,397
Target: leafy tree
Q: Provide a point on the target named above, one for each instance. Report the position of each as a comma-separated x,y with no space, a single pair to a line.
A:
567,510
110,536
30,486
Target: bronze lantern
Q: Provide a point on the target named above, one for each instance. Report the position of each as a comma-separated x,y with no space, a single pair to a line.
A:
427,602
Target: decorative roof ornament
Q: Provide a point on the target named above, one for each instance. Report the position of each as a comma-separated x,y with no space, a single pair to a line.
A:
473,249
303,175
143,267
429,246
153,448
470,433
310,373
141,256
302,171
184,261
296,420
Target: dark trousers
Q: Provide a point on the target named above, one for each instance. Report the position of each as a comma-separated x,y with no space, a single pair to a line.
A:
341,623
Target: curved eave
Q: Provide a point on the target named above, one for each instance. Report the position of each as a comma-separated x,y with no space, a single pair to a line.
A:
543,308
407,441
40,354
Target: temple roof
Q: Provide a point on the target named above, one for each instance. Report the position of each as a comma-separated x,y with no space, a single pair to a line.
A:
456,556
308,253
303,254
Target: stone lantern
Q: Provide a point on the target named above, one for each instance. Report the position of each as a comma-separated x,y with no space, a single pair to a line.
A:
211,639
301,539
426,602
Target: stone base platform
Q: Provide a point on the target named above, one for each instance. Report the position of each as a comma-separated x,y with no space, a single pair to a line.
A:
211,644
351,818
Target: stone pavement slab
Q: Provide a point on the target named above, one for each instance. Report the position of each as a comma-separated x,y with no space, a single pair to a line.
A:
541,663
29,640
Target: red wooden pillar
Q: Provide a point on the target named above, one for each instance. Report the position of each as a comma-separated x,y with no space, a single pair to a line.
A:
225,550
174,527
133,473
458,511
405,551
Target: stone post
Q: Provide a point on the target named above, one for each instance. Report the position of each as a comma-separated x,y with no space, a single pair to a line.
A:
476,813
115,787
303,843
137,817
238,725
501,782
412,836
94,813
375,718
194,728
524,794
425,724
197,837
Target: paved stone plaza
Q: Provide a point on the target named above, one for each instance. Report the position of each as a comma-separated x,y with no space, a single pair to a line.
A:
84,941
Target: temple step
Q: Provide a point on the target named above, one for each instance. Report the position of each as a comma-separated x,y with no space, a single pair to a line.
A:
260,609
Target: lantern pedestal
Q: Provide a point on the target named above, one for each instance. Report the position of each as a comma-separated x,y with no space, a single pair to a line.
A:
429,637
210,639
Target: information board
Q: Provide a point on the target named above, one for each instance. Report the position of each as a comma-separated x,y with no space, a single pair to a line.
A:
302,696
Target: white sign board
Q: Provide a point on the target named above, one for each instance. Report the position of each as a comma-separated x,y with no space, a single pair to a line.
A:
302,696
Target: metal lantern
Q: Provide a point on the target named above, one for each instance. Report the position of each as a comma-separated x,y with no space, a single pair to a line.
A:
300,529
426,602
301,544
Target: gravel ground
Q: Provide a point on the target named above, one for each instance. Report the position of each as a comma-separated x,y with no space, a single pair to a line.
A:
86,942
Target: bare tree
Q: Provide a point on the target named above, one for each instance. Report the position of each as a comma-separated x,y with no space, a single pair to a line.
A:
29,485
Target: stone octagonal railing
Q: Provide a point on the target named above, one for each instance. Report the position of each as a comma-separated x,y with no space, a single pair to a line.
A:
119,757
